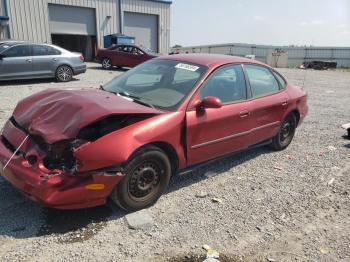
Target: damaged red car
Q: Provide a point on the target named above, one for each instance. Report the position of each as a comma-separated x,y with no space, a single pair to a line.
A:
74,149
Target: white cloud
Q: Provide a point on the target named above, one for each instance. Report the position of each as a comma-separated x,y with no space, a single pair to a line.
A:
342,26
258,18
312,23
317,22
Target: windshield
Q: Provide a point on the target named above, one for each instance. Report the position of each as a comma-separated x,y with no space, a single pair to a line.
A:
163,84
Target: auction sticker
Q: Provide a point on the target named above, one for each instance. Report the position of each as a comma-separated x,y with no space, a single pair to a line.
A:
187,67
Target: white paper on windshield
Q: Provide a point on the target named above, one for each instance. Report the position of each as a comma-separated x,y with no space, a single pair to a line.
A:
187,67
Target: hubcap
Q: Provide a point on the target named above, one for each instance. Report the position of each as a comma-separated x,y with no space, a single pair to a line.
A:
285,131
144,180
64,73
106,63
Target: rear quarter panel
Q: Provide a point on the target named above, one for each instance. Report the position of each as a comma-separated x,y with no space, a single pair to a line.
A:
298,101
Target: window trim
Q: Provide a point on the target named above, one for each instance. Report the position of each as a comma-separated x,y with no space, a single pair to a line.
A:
24,44
219,68
250,88
285,81
48,46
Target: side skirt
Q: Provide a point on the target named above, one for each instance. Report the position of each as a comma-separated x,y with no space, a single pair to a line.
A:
192,168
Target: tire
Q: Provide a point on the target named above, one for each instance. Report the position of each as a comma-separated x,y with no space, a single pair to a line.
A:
285,134
147,176
64,73
106,63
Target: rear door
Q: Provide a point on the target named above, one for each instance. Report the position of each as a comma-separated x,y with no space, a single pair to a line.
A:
214,132
269,102
45,60
17,62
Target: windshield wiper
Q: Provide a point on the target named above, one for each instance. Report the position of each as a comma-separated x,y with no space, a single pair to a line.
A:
135,99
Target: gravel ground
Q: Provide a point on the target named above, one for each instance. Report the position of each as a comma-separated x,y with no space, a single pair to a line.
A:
292,205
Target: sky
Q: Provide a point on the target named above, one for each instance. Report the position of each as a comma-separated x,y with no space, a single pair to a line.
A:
270,22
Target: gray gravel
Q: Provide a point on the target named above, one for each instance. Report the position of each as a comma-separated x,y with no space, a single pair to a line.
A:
292,205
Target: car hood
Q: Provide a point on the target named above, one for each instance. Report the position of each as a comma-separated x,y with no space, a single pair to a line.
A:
57,115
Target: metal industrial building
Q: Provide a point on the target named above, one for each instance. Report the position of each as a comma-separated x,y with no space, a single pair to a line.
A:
296,55
80,25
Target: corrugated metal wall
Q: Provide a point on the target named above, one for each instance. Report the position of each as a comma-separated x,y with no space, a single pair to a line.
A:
3,33
155,8
29,19
296,55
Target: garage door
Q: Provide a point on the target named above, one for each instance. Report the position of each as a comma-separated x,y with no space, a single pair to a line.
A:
143,27
72,20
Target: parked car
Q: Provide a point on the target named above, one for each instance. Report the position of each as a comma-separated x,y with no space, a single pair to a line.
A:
24,60
123,56
72,149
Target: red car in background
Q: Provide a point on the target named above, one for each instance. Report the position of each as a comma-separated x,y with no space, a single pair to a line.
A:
123,56
74,149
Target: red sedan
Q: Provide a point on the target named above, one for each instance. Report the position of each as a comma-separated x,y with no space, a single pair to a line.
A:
123,56
74,149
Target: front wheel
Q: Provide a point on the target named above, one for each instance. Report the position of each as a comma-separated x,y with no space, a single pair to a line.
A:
147,176
64,73
285,134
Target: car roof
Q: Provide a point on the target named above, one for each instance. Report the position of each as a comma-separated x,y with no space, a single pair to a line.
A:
210,60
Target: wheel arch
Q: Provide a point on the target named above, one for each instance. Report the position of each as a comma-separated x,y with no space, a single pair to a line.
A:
168,149
296,113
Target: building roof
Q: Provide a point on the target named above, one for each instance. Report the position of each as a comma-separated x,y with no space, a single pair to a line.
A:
209,60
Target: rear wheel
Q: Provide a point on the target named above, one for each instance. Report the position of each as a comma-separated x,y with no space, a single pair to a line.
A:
107,63
64,73
147,176
285,134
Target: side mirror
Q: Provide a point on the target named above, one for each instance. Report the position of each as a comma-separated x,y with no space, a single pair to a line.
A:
208,102
2,56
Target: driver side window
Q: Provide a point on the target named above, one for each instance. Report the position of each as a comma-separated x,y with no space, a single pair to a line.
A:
227,84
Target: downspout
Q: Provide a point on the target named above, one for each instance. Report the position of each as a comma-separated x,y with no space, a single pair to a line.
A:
7,14
121,17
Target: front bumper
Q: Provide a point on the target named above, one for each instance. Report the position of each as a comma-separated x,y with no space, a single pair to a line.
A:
55,189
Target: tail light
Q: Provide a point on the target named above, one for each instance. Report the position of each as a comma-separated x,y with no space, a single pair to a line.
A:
82,58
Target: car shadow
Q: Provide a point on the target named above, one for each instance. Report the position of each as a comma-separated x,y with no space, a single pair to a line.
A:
22,218
114,69
216,167
31,81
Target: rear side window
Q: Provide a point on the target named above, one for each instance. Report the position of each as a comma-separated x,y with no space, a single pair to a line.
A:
227,84
42,50
18,51
261,80
280,80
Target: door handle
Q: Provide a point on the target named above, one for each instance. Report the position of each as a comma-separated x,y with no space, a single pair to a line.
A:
244,113
284,103
29,60
54,59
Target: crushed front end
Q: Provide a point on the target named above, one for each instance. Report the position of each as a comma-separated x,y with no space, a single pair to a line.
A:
48,173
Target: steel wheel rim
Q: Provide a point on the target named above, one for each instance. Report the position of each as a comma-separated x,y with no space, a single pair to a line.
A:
106,63
286,131
144,181
64,73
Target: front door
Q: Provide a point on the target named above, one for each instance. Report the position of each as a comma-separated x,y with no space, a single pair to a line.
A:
16,62
213,132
